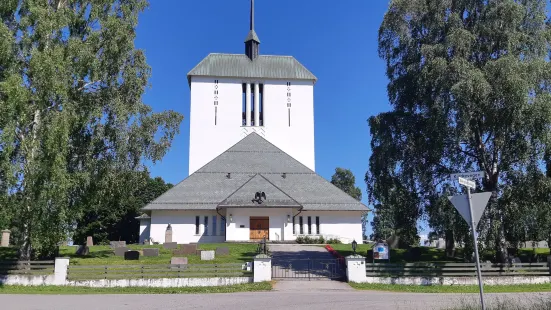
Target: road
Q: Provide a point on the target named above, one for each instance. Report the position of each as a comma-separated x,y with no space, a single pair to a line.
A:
303,298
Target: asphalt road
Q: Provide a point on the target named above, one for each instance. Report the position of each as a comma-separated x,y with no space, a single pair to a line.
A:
279,299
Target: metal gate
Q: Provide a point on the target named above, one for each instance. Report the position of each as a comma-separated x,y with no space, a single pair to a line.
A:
307,269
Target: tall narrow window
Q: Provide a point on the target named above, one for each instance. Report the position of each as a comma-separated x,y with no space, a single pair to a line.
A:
300,225
294,228
289,112
244,105
261,103
309,225
206,232
317,225
223,226
196,225
215,114
214,218
252,105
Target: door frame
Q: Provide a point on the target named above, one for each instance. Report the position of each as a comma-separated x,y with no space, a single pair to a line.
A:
264,218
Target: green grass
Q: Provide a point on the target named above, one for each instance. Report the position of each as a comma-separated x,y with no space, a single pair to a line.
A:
428,254
103,255
346,249
453,288
66,290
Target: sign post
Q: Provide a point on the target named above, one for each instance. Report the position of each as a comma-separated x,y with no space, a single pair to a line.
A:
472,212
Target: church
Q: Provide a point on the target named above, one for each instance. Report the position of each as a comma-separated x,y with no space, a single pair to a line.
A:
251,158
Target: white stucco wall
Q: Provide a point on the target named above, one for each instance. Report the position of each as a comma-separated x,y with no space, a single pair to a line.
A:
279,228
208,140
144,229
183,226
344,225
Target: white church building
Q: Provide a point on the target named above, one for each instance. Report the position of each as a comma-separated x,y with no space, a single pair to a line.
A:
251,158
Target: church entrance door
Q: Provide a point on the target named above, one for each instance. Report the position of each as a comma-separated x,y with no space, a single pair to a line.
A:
259,228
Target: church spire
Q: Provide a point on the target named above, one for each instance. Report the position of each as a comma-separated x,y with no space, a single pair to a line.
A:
252,42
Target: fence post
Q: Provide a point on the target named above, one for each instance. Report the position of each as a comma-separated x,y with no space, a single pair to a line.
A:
355,269
262,270
60,270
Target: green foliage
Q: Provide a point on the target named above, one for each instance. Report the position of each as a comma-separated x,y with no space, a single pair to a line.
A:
114,218
310,240
469,90
333,241
72,118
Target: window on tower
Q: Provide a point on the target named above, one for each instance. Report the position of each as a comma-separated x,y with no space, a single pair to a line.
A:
261,103
244,105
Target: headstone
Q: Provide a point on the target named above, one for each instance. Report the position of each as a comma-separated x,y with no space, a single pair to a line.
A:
516,260
117,244
207,255
170,245
178,261
151,252
121,250
83,250
131,255
168,234
189,249
89,241
441,243
222,251
5,238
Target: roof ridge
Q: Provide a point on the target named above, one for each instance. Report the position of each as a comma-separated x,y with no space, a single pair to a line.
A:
279,189
240,187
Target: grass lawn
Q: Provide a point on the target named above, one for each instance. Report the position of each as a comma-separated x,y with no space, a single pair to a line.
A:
453,289
428,254
346,249
103,254
249,287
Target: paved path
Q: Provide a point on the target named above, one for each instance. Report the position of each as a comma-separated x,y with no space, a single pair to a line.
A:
318,300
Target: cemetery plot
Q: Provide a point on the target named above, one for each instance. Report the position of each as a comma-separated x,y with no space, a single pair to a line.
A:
178,270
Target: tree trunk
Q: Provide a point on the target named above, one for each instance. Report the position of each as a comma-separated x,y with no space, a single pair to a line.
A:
450,244
25,252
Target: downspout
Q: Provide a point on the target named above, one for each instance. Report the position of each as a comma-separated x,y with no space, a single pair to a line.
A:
220,214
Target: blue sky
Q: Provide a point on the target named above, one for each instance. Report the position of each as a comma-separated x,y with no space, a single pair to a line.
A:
335,40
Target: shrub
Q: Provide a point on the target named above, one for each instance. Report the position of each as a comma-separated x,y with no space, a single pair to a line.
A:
321,240
333,241
300,239
308,240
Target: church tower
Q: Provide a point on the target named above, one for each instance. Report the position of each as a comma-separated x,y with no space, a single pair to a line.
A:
233,95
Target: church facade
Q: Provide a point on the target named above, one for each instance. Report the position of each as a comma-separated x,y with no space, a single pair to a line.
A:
251,158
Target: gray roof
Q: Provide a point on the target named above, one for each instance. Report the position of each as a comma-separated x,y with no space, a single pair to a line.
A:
254,164
252,36
262,67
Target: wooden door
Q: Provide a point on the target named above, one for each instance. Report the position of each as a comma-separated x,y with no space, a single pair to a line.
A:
259,228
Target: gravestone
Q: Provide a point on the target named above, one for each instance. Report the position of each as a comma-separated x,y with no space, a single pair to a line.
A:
178,261
189,249
89,241
131,255
222,251
516,260
121,250
150,252
83,250
117,244
5,238
207,255
168,234
441,243
170,245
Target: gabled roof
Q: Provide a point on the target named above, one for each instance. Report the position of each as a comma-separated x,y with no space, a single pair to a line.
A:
243,197
251,165
262,67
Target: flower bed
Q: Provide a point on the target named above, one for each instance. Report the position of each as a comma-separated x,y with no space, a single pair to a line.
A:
335,253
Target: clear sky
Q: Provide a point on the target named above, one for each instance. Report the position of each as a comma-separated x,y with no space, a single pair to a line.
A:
335,40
